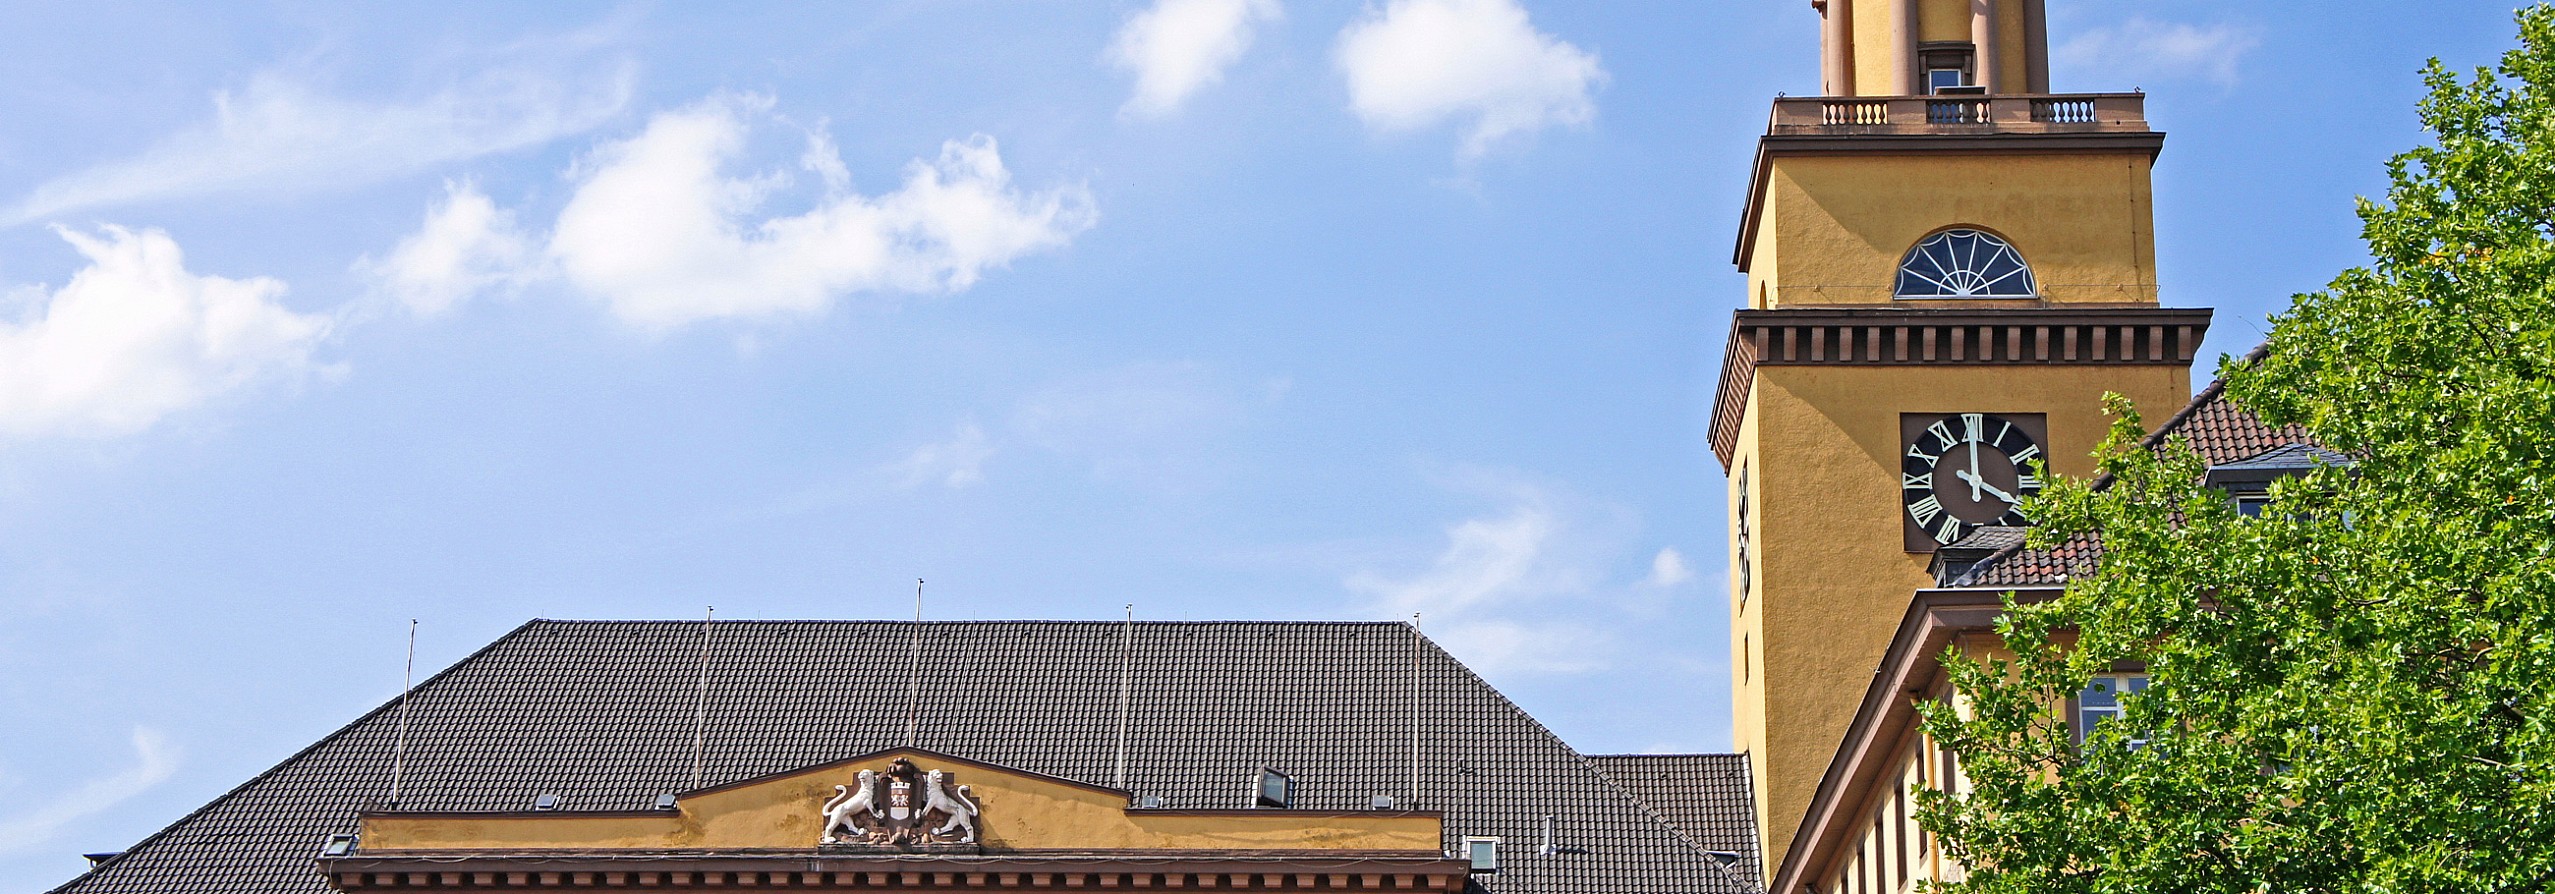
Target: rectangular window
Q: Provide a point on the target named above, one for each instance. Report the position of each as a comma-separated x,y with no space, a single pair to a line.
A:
2101,702
1747,660
1941,79
1274,790
1483,853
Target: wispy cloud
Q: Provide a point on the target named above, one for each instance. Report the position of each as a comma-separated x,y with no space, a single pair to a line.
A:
1162,426
1415,64
281,134
35,827
1668,569
663,233
1177,47
958,461
2145,49
1516,590
135,336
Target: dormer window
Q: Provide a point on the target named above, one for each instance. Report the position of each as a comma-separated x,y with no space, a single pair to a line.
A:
1275,790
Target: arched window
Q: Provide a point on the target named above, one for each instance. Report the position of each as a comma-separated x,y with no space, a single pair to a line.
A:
1964,263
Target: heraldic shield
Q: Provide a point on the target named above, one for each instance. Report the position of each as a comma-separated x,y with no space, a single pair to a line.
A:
905,806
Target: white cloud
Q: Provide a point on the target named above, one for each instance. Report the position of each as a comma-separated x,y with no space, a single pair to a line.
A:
2145,48
279,135
467,245
1178,47
134,337
1417,63
1510,593
956,462
660,231
154,761
1668,569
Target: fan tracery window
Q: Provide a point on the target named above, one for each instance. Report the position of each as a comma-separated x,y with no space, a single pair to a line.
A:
1965,263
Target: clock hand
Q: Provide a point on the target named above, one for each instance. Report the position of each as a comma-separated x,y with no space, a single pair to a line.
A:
1977,484
1971,476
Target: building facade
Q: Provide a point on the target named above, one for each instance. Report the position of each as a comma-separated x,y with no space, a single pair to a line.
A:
1946,272
1947,268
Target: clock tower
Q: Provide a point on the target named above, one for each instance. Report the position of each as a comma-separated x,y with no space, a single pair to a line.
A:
1947,268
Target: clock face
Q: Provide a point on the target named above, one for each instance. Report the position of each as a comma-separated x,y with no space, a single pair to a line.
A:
1960,471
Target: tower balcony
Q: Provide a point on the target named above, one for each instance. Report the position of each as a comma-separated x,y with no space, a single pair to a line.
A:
1959,115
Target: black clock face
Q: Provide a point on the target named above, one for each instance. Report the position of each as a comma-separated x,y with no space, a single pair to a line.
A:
1961,471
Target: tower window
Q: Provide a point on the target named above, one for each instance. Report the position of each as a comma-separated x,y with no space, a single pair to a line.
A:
1948,66
1965,263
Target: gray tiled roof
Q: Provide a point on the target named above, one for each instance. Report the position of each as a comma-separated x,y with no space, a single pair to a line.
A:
600,713
1705,796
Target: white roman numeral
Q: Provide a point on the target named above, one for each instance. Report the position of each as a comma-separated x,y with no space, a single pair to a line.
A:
1925,510
2026,454
2025,483
1950,531
1974,425
1942,433
1916,482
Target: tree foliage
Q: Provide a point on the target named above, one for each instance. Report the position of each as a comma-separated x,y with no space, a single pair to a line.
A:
2356,690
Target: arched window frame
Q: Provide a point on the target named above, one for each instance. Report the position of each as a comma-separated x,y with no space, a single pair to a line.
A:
1965,262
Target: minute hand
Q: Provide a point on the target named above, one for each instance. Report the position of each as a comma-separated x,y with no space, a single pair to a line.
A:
1974,481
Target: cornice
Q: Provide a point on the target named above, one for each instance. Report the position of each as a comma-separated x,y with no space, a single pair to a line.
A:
1892,335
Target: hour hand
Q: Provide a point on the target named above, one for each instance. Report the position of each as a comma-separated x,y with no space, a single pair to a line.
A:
1974,481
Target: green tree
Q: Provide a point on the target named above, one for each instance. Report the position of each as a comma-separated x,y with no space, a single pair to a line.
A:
2353,691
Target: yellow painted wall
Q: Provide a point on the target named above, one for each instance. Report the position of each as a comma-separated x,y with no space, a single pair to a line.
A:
1942,20
2085,223
2014,42
1019,812
1876,48
1833,576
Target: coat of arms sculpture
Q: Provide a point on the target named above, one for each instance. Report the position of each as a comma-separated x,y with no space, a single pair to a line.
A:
904,806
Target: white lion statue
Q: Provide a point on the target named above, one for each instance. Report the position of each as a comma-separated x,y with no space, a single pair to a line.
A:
937,795
843,812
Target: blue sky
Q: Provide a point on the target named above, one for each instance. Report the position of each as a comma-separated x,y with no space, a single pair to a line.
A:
317,318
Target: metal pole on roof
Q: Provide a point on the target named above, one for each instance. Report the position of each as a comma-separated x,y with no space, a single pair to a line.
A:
399,746
701,700
1126,687
1414,805
914,663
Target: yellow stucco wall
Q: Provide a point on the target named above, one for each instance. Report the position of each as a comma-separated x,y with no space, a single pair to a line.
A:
1942,20
1833,576
1876,48
1020,811
2085,223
